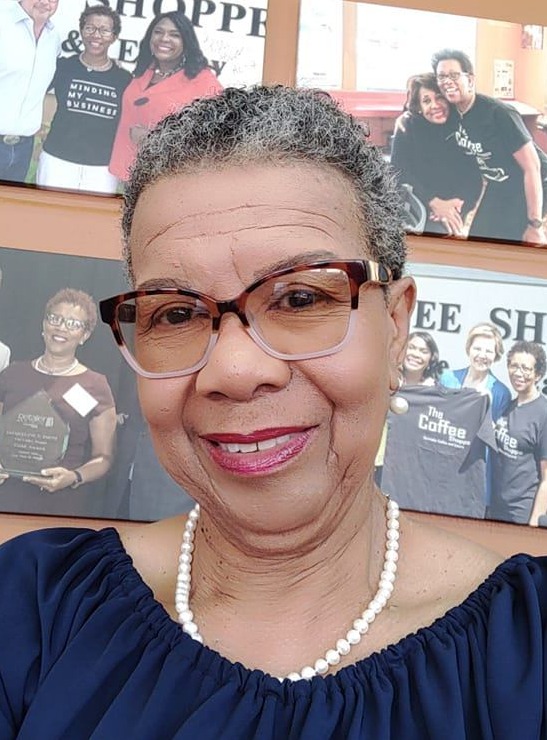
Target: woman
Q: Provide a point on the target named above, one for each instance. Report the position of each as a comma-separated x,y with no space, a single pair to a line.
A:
170,72
79,396
519,492
268,408
446,181
483,346
421,365
88,90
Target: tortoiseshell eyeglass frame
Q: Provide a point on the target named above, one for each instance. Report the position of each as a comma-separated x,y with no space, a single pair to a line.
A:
359,272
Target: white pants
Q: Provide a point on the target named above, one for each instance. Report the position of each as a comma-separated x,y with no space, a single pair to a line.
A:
58,173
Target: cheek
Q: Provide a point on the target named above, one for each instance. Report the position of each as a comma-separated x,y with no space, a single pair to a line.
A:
162,402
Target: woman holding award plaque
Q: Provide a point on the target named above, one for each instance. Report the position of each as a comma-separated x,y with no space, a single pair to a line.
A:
57,429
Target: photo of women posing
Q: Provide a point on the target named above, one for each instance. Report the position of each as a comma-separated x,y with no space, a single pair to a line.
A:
88,91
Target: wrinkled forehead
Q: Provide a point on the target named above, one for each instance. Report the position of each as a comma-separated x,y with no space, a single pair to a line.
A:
245,213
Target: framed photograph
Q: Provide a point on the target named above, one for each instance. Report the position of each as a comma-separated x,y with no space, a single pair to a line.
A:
473,441
104,73
454,102
72,438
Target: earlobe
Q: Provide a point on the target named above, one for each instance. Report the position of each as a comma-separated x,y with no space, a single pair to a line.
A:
402,300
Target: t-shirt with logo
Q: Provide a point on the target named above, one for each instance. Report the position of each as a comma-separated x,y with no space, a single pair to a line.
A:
88,108
435,453
521,437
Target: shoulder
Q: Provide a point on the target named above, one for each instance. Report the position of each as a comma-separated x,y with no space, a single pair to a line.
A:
452,378
154,549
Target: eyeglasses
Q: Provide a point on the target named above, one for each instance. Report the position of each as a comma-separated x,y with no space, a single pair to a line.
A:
104,33
292,314
55,319
527,372
453,76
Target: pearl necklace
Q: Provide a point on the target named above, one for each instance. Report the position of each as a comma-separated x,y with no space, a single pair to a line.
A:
90,68
39,365
344,645
168,73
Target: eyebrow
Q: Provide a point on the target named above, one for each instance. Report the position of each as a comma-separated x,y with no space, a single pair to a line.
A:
283,264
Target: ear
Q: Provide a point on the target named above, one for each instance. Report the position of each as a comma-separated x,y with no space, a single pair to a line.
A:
402,298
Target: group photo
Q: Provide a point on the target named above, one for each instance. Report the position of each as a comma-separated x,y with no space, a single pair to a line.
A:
457,104
472,436
83,82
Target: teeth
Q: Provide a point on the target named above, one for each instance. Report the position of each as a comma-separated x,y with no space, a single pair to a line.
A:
265,444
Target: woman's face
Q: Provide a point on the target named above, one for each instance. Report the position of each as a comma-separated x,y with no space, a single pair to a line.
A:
433,106
418,356
64,328
166,42
522,372
217,232
97,34
482,353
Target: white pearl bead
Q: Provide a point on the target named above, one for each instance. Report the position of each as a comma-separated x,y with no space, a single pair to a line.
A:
369,615
197,637
390,567
187,615
343,646
392,545
375,606
294,676
185,558
386,585
321,666
361,626
386,575
392,555
393,534
308,672
394,524
381,599
190,628
332,657
384,594
353,637
392,505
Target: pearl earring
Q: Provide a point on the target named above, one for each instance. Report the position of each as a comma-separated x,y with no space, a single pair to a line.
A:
398,404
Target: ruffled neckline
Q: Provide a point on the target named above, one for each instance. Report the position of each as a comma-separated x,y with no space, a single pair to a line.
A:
382,664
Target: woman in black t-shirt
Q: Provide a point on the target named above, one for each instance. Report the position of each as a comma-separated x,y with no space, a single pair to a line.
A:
88,89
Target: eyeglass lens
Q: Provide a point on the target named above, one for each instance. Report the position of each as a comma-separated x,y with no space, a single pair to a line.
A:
92,30
526,371
296,314
56,319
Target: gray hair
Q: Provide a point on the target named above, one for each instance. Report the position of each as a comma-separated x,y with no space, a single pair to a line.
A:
275,124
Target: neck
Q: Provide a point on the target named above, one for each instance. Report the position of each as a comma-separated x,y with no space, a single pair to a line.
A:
475,377
95,61
165,67
413,377
530,395
55,364
464,106
314,588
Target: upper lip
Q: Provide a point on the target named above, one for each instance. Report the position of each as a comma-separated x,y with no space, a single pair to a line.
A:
257,436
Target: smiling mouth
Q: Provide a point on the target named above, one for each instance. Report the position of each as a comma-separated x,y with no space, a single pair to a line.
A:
259,446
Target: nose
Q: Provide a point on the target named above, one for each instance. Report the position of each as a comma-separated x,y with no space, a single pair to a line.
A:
238,368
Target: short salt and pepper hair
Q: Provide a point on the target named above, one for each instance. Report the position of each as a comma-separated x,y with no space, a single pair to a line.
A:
275,125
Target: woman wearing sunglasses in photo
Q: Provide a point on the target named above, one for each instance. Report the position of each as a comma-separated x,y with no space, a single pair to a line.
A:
81,404
170,72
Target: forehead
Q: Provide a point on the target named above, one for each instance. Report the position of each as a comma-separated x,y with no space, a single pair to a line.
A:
165,25
417,342
427,91
483,340
99,18
239,221
449,64
523,358
69,310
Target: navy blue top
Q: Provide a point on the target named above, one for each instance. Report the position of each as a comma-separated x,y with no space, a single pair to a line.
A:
86,652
